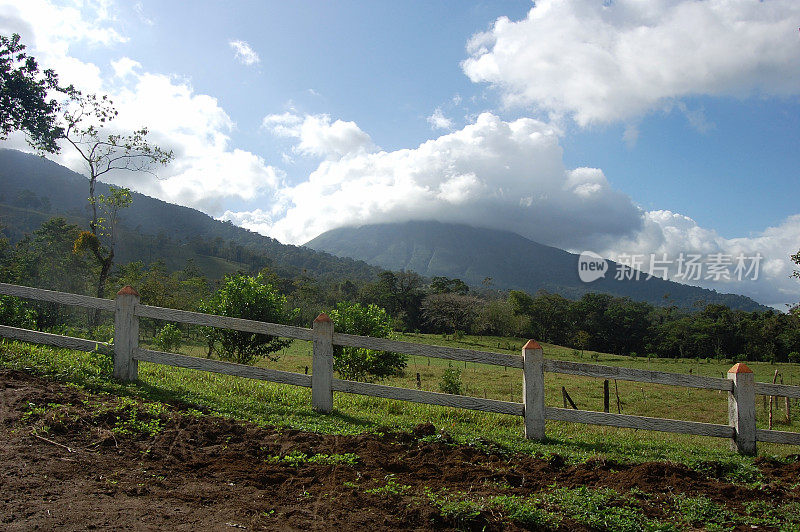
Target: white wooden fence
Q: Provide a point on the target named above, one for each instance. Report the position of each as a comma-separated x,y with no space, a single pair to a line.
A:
740,384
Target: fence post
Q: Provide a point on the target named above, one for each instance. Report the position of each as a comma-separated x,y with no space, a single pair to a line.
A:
322,365
742,409
126,335
533,390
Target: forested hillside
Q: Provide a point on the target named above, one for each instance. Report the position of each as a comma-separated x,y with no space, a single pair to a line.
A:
33,189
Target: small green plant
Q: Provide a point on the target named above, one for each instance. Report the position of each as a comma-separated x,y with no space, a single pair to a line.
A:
131,418
451,381
524,511
794,356
297,458
168,338
391,487
603,508
703,511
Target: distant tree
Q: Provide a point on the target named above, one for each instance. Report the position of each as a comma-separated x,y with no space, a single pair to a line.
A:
354,363
242,296
445,285
400,293
581,340
25,104
451,312
497,318
521,302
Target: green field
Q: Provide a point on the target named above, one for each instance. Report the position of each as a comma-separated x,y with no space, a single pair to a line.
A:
288,406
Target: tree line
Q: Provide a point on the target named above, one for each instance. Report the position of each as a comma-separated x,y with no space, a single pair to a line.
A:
49,258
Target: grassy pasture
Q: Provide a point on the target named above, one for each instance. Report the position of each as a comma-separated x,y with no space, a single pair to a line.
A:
288,406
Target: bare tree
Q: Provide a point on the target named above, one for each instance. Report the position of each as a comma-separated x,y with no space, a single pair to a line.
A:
86,118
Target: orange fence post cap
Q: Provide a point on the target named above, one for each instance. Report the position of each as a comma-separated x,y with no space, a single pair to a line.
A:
128,290
532,344
741,367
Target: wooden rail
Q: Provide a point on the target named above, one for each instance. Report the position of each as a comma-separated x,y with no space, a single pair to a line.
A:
740,384
637,375
436,351
50,296
56,340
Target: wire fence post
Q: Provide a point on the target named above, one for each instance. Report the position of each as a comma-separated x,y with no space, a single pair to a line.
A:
126,334
533,390
742,409
322,365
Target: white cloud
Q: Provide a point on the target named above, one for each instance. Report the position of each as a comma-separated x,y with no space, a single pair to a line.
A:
244,52
124,66
509,175
614,61
438,121
207,169
668,234
318,136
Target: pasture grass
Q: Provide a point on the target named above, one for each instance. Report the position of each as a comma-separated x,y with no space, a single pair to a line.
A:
288,406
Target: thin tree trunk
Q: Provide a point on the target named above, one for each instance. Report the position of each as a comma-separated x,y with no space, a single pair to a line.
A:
105,268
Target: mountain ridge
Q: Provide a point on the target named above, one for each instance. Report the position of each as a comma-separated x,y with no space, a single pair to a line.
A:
33,189
504,259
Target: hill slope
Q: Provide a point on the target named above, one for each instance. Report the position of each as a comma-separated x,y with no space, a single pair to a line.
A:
510,260
33,189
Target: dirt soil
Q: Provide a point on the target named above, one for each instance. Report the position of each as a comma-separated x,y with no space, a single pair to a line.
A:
71,460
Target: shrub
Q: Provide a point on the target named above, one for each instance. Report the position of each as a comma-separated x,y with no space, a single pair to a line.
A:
252,298
168,338
15,313
355,363
794,356
451,381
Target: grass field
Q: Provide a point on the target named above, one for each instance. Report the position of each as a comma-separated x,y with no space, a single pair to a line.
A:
280,405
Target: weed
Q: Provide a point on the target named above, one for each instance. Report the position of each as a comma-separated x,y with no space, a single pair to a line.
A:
701,510
602,508
297,458
390,488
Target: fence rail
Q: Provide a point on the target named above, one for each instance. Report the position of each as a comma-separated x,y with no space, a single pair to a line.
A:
740,384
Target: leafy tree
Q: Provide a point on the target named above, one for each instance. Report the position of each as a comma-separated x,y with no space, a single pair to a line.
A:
45,259
24,102
444,285
252,298
355,363
581,340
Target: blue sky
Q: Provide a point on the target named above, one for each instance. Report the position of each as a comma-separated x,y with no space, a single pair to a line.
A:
622,127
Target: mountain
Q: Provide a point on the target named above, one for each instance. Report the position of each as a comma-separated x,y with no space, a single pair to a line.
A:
34,189
511,261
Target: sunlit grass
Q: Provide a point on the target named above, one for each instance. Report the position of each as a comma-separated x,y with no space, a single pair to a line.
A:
289,406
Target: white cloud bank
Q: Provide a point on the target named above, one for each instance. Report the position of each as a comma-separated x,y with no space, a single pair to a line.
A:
601,62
